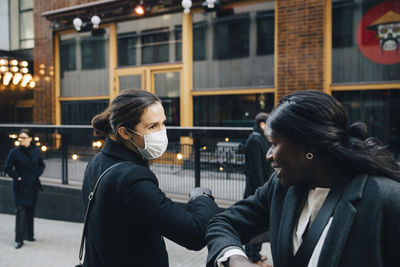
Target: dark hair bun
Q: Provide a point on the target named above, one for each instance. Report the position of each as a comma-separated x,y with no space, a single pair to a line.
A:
358,130
101,123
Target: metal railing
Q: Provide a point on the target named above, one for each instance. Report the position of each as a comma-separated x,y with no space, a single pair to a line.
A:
197,156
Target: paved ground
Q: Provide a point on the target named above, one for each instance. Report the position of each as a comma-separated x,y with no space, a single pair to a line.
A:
58,245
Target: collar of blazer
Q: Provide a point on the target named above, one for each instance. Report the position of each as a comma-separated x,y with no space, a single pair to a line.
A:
119,151
345,213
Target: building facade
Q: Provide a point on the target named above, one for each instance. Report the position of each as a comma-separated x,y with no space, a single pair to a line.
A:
16,55
221,65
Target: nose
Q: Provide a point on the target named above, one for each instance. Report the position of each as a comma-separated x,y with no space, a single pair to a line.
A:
269,154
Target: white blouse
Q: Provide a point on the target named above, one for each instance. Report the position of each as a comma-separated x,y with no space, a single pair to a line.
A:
316,198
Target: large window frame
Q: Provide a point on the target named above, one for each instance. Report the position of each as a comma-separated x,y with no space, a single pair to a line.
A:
331,87
25,12
146,70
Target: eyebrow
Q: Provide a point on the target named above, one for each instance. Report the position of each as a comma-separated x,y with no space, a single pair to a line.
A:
152,123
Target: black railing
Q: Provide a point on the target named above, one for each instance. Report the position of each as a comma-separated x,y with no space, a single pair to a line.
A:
199,156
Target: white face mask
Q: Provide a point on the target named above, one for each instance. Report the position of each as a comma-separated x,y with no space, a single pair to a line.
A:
155,144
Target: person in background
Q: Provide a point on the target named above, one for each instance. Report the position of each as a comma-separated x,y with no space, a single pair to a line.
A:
25,165
131,215
332,201
257,170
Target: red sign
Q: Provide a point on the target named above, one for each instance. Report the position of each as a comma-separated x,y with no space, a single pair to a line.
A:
378,33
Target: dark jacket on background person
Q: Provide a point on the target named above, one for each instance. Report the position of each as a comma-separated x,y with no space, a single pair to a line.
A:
365,229
27,163
131,215
257,168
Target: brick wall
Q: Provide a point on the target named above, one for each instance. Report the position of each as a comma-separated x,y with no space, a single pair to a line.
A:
44,94
300,45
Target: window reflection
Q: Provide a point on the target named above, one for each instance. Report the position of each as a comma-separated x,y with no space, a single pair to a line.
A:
230,110
379,109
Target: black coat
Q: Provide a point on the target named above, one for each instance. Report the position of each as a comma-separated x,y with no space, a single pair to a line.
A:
27,163
365,229
257,168
131,215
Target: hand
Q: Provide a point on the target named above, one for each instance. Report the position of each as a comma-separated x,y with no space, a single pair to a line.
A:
240,261
19,179
199,191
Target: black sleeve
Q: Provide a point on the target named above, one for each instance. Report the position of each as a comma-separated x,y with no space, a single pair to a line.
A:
186,227
255,171
41,164
9,167
239,223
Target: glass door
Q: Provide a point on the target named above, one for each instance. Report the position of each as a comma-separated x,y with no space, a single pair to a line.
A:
166,84
130,80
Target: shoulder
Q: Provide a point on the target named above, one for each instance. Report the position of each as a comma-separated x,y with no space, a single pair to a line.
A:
386,187
383,192
132,172
13,151
252,141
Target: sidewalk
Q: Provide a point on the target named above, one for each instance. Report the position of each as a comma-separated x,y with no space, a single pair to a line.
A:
57,244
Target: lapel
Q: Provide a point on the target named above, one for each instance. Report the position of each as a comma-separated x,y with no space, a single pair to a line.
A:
26,160
294,201
342,222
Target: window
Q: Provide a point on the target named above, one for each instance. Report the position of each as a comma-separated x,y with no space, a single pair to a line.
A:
342,29
231,37
234,48
26,25
84,67
199,41
67,55
360,53
265,32
155,46
127,49
178,43
81,112
230,110
379,109
93,53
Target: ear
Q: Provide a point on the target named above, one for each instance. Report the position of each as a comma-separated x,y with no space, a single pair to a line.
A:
310,149
123,132
262,125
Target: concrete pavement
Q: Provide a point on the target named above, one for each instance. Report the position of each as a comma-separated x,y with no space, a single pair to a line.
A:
57,244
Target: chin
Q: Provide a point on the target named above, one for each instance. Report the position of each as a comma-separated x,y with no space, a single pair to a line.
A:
284,182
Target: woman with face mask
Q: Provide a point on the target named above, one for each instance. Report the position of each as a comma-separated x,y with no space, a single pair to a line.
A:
130,215
333,200
25,165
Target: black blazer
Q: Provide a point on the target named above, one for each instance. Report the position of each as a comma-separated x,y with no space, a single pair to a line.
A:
27,163
257,168
365,229
131,215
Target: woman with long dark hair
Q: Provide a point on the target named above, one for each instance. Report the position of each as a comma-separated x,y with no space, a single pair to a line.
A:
334,199
130,215
25,165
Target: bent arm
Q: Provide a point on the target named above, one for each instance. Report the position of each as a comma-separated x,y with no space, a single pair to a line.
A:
41,165
9,166
239,223
186,227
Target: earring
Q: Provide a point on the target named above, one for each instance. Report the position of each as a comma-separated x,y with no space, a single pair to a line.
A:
309,156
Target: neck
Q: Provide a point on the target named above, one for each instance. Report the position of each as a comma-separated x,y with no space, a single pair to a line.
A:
126,143
324,176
